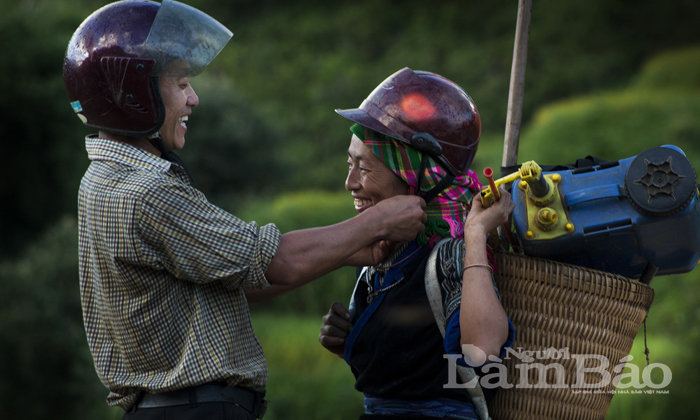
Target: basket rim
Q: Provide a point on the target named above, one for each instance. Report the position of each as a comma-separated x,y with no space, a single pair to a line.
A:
584,279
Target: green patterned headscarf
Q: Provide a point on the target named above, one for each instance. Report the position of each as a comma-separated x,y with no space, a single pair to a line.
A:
447,211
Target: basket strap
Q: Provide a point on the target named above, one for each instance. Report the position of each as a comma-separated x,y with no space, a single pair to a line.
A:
432,289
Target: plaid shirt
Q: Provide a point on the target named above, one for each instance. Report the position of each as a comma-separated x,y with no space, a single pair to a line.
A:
161,277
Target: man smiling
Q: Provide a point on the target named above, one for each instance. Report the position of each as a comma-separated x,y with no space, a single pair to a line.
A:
163,270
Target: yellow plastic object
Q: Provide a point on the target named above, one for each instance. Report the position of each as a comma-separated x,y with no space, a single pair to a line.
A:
546,214
528,170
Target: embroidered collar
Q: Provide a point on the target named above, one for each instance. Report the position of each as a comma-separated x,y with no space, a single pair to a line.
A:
387,275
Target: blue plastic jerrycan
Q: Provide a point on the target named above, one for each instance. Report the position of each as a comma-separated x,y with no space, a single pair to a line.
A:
631,217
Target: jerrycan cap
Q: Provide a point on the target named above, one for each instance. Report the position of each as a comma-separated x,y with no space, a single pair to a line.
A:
660,181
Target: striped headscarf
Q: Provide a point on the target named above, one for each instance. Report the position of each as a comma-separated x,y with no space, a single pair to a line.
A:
447,211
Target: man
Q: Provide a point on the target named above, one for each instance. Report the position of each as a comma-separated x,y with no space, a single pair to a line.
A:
162,270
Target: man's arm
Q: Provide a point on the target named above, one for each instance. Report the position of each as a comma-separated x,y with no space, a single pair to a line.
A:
306,254
273,291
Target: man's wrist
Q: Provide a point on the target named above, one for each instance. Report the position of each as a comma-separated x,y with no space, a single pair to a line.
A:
374,222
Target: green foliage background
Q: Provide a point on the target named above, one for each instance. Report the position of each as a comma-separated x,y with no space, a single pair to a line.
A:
607,78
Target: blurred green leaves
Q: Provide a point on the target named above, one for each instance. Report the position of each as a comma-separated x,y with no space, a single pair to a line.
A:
238,153
43,350
655,109
677,69
305,209
305,381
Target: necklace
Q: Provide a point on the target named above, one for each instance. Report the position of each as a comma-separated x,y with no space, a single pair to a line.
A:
373,294
382,269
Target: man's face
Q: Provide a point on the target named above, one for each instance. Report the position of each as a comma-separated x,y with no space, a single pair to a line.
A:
179,98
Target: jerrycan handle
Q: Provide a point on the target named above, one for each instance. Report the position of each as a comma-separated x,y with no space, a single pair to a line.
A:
593,193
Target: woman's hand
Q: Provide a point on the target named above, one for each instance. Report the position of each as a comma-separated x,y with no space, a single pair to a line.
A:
481,221
335,328
482,320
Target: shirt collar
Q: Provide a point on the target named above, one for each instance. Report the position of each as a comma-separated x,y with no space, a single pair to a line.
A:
126,154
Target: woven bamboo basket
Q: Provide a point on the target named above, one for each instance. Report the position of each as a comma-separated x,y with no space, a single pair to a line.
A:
564,307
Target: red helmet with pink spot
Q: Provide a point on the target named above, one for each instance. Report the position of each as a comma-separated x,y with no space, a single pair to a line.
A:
426,111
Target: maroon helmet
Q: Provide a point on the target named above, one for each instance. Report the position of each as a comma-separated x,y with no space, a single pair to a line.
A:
116,55
426,111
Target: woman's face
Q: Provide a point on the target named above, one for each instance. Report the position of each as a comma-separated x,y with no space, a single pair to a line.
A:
369,179
179,98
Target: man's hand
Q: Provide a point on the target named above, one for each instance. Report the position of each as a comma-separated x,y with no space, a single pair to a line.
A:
335,328
397,219
372,254
400,218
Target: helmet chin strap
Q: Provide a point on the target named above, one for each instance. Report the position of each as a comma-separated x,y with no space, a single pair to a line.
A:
428,146
430,195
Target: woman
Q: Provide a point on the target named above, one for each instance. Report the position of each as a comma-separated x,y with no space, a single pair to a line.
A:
417,133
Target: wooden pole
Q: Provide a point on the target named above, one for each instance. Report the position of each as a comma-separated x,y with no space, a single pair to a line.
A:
517,85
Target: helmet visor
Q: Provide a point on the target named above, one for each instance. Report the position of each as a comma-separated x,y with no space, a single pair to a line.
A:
183,40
